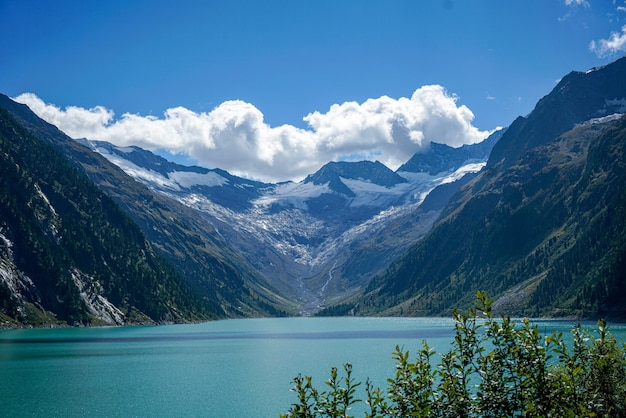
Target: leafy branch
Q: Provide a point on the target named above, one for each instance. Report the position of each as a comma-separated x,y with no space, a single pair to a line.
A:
495,368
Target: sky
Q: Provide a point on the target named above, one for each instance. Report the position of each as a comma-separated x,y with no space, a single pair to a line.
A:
272,90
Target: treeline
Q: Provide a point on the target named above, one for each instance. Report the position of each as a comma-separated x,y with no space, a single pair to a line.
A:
495,368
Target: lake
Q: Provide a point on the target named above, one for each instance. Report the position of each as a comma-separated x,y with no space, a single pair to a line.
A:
230,368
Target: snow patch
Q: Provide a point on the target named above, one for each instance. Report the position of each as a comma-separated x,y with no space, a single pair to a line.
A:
149,177
292,194
176,180
125,150
466,169
424,183
371,194
604,119
188,179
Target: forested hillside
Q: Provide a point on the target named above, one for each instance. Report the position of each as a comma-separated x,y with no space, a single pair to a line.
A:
68,253
543,227
206,264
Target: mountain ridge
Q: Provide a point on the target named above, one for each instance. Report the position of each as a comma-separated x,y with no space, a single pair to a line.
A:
444,157
538,227
69,253
209,267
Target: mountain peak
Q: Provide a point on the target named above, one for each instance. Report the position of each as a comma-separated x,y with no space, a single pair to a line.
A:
440,157
368,171
578,97
142,158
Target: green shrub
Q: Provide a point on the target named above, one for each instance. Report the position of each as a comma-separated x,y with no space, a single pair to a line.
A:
495,368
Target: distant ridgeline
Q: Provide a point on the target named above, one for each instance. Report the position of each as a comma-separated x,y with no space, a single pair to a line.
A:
543,227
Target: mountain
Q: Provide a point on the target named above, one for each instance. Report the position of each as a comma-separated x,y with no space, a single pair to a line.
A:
227,285
249,248
578,97
542,227
445,158
69,254
311,240
335,175
158,173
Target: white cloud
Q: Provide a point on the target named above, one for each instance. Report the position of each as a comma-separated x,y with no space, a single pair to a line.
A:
77,120
234,136
605,48
573,4
584,3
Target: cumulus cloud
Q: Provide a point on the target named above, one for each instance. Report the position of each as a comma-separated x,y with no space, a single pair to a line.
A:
605,48
234,136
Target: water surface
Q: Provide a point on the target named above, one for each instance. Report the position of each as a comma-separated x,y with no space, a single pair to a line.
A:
232,368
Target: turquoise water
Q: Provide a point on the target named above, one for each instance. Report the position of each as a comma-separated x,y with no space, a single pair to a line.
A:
233,368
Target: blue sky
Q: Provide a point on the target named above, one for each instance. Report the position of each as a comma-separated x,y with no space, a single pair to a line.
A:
274,89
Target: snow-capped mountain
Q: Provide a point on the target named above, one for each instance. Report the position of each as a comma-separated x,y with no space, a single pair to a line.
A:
444,158
297,234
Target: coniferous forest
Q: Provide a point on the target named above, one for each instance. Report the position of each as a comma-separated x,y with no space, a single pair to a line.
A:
65,233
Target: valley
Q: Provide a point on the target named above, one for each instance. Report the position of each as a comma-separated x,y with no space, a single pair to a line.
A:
535,214
299,235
